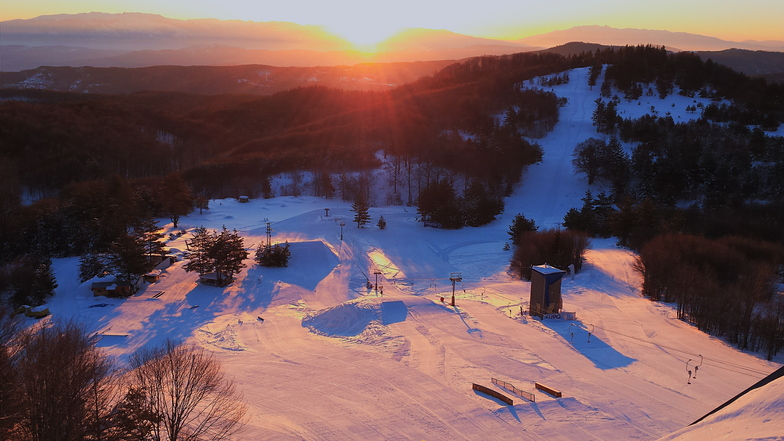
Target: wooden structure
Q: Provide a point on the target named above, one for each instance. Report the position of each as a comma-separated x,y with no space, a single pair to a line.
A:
112,289
161,263
554,392
545,290
492,393
212,279
152,277
243,199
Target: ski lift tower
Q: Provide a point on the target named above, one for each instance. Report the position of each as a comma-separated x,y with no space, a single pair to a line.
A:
545,290
269,234
454,278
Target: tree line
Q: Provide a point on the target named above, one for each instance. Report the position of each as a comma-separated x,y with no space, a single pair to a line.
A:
726,287
110,224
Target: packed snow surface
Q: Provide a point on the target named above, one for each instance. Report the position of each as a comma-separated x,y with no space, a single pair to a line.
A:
320,352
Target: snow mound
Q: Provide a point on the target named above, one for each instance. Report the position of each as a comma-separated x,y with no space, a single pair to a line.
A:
352,319
345,320
311,262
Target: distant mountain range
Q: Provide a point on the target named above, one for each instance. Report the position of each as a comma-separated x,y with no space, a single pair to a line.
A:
141,40
674,41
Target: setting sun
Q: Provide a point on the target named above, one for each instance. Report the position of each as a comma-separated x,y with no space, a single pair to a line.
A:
365,36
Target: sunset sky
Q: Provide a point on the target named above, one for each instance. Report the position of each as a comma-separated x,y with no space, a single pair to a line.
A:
367,22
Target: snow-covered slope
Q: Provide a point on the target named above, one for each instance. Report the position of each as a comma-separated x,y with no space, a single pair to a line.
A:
754,416
333,359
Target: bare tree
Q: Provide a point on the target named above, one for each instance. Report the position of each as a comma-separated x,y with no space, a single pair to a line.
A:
65,384
9,408
188,392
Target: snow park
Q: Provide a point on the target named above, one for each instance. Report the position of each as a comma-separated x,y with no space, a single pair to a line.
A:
415,332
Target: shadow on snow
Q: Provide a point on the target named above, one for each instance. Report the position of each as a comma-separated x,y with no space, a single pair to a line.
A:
589,345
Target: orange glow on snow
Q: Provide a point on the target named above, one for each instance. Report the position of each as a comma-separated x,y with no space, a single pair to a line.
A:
382,263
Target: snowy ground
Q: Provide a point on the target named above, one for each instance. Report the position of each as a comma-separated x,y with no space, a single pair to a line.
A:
334,360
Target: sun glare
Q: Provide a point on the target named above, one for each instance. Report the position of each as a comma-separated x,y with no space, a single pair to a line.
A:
365,36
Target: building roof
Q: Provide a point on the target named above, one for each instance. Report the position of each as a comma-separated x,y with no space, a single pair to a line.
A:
547,269
109,285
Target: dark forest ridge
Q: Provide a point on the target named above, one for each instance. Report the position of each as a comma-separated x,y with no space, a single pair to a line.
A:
253,79
140,40
260,79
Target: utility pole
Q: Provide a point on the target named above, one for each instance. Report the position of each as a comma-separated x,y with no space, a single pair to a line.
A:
454,278
342,224
269,233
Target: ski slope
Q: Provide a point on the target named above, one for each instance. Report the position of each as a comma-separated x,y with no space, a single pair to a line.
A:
334,360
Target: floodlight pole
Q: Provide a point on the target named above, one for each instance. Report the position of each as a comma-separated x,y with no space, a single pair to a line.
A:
454,278
377,273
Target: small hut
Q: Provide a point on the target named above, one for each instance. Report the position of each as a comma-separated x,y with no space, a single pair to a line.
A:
212,279
545,290
244,199
112,289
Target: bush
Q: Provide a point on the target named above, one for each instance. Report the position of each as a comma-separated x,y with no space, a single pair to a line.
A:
554,247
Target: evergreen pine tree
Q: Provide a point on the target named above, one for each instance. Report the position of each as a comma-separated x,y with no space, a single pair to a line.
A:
360,208
480,206
198,247
519,226
31,280
150,235
227,254
134,417
201,202
438,203
222,253
127,258
382,223
176,197
266,188
90,265
275,255
44,281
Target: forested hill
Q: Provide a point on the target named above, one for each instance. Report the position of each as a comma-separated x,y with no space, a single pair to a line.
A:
52,139
447,124
252,79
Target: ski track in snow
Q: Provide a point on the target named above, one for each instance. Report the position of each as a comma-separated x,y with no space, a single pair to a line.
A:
333,361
